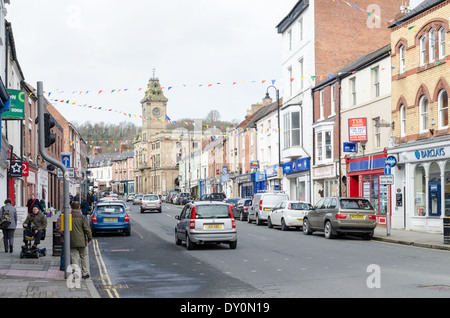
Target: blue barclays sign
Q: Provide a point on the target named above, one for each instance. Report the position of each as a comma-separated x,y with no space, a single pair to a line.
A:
429,153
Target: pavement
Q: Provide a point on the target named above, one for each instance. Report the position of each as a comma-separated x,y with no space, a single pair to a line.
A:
42,278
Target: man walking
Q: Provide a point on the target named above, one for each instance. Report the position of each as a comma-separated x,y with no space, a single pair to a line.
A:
80,238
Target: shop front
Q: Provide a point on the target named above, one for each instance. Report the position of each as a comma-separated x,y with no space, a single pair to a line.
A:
363,175
272,180
298,179
260,182
246,184
422,185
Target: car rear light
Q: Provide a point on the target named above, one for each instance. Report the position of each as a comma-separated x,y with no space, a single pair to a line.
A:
126,218
341,216
233,223
245,208
231,212
372,217
260,205
94,219
192,222
159,202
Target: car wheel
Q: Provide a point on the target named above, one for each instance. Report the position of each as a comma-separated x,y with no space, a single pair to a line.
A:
248,219
241,216
189,244
283,225
306,227
367,236
258,221
269,223
177,240
233,245
328,230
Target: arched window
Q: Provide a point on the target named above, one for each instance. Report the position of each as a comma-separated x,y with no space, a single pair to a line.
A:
402,120
432,45
402,52
441,34
419,191
443,109
423,50
423,114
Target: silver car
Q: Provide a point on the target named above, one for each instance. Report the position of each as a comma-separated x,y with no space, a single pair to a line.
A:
151,202
206,222
137,199
335,215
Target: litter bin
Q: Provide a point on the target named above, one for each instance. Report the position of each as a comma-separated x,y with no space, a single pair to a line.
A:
57,246
446,230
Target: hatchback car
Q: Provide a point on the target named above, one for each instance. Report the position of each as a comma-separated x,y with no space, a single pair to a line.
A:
203,222
241,209
262,205
130,197
288,214
335,215
151,202
183,198
137,199
110,216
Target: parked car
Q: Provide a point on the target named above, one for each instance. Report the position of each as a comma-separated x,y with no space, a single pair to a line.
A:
288,214
241,209
262,205
130,196
183,198
203,222
335,215
137,199
110,216
175,198
213,197
164,198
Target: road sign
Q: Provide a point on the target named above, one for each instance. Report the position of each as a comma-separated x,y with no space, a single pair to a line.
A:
387,169
65,158
386,179
70,172
350,147
391,161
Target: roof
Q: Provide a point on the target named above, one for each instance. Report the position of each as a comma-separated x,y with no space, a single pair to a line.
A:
299,7
356,65
422,7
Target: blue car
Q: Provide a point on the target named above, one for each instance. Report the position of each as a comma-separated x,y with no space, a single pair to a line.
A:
112,217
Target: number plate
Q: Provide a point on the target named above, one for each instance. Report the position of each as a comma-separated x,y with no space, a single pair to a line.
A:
357,216
267,209
213,226
110,219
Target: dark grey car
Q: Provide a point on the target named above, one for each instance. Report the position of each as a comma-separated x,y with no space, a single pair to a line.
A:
336,215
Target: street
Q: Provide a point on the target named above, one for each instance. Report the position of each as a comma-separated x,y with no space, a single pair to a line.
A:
267,263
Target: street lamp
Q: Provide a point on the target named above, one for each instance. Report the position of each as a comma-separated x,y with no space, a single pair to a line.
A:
269,100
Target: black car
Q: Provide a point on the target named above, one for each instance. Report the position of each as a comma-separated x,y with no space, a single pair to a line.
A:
241,209
213,197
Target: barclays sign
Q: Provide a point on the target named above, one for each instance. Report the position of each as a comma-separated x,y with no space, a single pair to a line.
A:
429,153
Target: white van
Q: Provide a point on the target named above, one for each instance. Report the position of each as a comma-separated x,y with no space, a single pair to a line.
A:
262,205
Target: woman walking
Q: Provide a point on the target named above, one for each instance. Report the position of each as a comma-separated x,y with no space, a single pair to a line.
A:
8,233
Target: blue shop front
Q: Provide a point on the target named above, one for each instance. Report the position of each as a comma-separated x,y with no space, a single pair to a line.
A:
246,184
297,181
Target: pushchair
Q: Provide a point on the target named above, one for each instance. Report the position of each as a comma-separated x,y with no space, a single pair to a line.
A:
29,250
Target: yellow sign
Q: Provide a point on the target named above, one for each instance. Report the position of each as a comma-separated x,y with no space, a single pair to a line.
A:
62,222
280,173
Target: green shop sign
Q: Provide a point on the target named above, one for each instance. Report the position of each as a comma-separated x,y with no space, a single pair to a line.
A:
17,110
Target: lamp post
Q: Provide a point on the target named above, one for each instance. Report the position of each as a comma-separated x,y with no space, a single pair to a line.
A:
268,100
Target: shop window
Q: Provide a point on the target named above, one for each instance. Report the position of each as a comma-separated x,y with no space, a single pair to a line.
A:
370,190
419,191
434,190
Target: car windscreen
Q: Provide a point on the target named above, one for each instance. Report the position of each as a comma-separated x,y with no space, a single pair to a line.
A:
110,209
212,211
217,196
301,206
359,204
152,197
273,199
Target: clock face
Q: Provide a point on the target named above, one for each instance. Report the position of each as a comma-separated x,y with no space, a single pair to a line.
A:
156,112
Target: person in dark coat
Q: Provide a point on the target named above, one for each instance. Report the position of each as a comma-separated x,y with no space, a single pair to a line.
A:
33,202
85,207
8,233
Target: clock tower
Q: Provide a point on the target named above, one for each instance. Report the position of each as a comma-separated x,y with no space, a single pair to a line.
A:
154,109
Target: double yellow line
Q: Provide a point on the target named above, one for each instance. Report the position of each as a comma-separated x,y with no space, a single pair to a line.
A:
104,277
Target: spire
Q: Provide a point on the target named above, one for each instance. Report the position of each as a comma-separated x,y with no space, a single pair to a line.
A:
154,78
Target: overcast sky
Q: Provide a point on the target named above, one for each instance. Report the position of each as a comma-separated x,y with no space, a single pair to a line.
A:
92,45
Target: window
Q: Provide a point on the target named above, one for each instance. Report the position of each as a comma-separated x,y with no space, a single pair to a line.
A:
443,109
423,50
432,45
290,40
441,42
291,129
287,129
376,132
319,146
376,81
328,145
423,116
300,29
290,80
353,90
333,100
402,59
322,101
402,120
324,146
300,66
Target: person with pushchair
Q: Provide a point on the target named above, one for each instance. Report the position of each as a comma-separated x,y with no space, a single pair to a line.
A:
37,222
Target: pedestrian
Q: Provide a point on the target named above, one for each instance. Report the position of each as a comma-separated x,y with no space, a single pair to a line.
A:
80,238
8,233
32,202
61,239
36,221
85,207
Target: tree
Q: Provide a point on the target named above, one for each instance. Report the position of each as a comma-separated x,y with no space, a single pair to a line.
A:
213,116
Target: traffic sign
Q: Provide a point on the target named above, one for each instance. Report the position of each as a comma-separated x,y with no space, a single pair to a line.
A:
65,158
386,179
387,169
391,160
